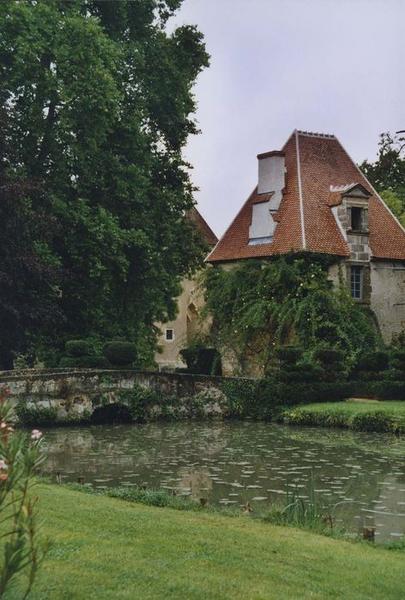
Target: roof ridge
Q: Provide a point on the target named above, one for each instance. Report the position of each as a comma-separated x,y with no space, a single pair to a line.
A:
300,195
316,134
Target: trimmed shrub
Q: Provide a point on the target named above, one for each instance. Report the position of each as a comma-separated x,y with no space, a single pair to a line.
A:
373,361
120,353
77,348
202,361
389,390
111,413
305,372
84,362
329,356
289,355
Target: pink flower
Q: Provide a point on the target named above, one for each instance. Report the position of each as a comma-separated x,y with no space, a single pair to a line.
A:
36,434
3,465
3,425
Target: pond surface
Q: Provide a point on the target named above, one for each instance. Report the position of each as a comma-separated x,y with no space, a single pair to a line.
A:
232,463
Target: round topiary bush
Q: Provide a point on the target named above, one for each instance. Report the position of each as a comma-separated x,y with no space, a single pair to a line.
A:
329,356
76,348
202,361
373,361
120,353
289,355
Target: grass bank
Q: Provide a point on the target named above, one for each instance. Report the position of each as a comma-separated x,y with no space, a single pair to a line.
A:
104,548
367,415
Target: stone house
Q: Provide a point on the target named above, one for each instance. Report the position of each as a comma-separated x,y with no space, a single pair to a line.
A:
177,334
311,196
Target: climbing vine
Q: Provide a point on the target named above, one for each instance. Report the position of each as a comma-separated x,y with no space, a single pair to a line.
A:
259,305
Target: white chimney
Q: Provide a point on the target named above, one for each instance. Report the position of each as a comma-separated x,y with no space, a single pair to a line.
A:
271,180
272,176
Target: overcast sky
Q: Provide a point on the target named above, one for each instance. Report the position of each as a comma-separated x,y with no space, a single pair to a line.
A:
333,66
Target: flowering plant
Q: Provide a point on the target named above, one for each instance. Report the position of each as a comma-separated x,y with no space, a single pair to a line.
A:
20,456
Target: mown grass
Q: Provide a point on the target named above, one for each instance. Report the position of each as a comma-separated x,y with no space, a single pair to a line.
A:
104,548
370,415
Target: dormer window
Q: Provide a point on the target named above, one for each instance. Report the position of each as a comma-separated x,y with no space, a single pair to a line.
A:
262,227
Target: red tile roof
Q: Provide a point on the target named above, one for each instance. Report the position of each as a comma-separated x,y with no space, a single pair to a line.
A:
195,217
316,165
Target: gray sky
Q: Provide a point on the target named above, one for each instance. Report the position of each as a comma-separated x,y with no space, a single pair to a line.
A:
333,66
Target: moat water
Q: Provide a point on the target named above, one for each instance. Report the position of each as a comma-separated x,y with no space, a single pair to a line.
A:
360,476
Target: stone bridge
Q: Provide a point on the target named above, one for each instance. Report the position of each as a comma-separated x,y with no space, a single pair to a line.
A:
75,393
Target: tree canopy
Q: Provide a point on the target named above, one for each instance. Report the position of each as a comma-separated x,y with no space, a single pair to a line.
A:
96,101
387,173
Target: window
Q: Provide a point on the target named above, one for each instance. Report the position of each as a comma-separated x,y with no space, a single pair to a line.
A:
169,335
356,282
356,218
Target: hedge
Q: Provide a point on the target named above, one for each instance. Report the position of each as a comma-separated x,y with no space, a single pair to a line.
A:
120,353
77,348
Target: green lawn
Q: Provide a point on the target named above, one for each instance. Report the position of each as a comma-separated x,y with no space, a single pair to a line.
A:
108,548
367,415
354,407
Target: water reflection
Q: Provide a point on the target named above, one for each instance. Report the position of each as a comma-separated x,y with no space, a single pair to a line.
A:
235,462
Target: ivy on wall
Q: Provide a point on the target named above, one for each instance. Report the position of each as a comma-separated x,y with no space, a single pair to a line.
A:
259,305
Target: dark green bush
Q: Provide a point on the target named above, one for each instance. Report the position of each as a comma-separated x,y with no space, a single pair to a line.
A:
289,355
84,362
35,416
373,361
399,354
77,348
389,390
111,413
398,359
329,356
120,353
266,397
374,421
305,372
202,361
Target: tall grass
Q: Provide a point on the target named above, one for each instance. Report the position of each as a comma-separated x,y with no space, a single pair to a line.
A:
309,512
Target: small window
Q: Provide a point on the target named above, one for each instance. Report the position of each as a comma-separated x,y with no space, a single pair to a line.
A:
356,282
169,335
356,218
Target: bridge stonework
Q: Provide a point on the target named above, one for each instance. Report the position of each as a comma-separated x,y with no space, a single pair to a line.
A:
75,393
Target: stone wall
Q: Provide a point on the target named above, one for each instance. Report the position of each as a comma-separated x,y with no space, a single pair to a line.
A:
388,296
75,393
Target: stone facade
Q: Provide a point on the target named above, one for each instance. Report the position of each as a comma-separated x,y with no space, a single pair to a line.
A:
183,328
382,281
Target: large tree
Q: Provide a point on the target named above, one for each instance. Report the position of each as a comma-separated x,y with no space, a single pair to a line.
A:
387,172
98,100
